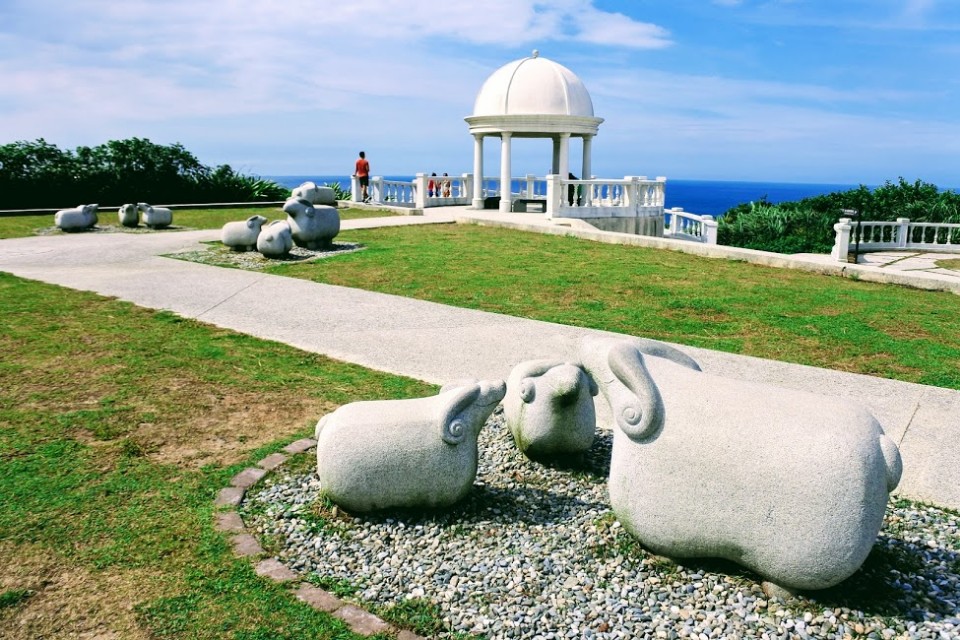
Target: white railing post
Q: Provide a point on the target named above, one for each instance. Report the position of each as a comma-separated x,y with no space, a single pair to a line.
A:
903,231
531,185
355,189
841,245
420,191
375,191
661,191
709,229
631,193
555,196
466,186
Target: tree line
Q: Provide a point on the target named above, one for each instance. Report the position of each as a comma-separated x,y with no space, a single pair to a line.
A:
39,175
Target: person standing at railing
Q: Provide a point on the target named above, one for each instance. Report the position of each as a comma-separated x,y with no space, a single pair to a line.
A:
446,185
432,186
362,172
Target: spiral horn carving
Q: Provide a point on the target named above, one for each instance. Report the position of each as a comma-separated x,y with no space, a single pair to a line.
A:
453,428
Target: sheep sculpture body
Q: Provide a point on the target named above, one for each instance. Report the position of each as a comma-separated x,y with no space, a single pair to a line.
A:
129,215
242,235
789,484
275,240
81,217
155,217
419,453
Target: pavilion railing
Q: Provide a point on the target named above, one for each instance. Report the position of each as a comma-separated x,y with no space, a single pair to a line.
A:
634,196
874,235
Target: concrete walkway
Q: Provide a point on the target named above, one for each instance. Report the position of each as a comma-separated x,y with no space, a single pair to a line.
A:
440,343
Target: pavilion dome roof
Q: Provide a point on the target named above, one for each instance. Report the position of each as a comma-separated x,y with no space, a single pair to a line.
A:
533,86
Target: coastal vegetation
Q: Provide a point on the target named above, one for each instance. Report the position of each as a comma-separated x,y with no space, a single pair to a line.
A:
806,226
793,316
39,175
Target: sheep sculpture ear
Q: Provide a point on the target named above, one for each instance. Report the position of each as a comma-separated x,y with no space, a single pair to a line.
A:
453,428
634,398
528,390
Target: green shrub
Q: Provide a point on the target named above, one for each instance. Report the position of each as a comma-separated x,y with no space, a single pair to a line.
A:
35,175
806,226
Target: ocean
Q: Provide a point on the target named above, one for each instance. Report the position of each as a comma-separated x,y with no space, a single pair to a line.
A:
713,197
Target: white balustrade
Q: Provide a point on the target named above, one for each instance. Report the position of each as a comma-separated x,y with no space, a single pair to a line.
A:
690,226
605,198
393,192
878,235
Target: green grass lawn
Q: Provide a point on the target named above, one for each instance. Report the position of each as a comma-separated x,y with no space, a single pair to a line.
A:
24,226
788,315
118,426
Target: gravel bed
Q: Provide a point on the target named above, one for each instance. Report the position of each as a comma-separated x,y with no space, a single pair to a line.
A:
534,552
222,256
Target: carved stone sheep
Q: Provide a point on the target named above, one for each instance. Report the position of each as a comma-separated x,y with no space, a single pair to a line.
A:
789,484
129,215
313,227
242,235
82,216
549,408
404,453
275,240
155,217
313,194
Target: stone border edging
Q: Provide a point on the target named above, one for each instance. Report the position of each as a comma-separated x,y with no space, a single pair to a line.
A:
753,256
245,545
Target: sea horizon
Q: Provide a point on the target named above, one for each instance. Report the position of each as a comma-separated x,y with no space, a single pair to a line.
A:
711,197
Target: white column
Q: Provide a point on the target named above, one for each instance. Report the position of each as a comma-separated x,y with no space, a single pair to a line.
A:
841,244
587,169
565,155
505,190
478,171
587,144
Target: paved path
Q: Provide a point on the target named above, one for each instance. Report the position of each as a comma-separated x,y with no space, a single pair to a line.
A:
439,343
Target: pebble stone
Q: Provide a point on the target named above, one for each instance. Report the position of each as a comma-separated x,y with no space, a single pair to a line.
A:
534,552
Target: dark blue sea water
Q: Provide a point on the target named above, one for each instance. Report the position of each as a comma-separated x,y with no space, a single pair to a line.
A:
712,197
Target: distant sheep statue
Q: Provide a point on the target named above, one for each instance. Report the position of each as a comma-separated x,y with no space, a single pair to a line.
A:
82,216
242,235
129,215
789,484
155,217
419,453
313,194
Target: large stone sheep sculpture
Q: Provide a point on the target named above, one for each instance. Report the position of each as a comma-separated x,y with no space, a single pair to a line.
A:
789,484
312,226
404,453
155,217
549,409
241,235
83,216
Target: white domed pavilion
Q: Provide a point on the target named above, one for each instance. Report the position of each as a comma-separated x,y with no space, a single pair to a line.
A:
531,98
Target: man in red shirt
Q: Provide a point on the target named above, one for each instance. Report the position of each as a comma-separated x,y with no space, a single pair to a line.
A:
362,171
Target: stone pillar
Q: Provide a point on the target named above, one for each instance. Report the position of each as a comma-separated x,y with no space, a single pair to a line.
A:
903,232
709,229
420,191
841,245
478,171
355,189
565,155
587,169
555,196
505,190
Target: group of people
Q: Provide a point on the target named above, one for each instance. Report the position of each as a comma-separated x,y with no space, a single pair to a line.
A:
438,187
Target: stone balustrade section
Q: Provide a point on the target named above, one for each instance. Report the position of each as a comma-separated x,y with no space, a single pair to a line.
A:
878,235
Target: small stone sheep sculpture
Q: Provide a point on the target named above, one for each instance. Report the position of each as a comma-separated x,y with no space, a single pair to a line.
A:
418,453
155,217
275,240
789,484
549,409
129,215
313,194
82,216
242,235
312,226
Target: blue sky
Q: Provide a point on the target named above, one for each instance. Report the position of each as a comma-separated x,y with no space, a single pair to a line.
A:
835,91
